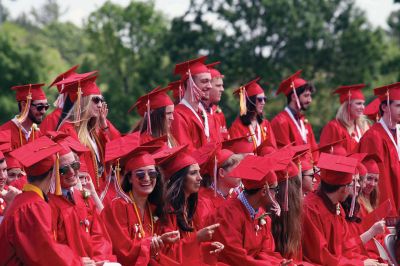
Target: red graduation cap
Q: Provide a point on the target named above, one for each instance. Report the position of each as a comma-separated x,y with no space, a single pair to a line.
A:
350,92
177,89
34,91
334,147
372,109
2,156
214,72
67,142
37,156
251,88
307,162
388,92
63,76
253,170
139,157
291,83
336,169
239,145
155,99
223,155
195,66
371,163
171,160
361,169
12,162
121,146
160,141
87,86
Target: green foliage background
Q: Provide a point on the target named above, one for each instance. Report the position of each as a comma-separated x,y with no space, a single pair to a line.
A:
135,48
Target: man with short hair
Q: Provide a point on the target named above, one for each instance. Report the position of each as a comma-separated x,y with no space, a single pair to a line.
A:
190,124
290,125
326,237
383,140
32,104
26,237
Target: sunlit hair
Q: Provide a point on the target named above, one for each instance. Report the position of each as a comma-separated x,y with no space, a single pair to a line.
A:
286,228
87,123
342,116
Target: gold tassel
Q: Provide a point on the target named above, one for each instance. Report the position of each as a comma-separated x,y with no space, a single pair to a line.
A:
78,103
58,182
242,101
118,173
24,113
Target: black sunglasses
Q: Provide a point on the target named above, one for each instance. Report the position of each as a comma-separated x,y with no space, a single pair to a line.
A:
40,106
262,99
65,169
151,173
97,100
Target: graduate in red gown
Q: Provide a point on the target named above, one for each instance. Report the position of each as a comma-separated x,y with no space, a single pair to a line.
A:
382,139
350,123
326,236
245,228
216,191
190,125
251,122
87,123
291,125
216,118
50,122
182,174
26,237
75,219
134,216
157,111
32,104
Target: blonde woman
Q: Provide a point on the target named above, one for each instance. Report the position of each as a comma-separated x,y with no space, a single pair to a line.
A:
350,123
84,118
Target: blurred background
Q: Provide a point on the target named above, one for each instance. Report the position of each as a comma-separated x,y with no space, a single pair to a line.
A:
135,44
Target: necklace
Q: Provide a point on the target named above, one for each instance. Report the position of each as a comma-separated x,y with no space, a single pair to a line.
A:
142,233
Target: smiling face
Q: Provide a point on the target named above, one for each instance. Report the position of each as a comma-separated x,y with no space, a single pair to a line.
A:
68,177
143,180
37,111
357,108
203,82
260,103
216,90
370,183
192,180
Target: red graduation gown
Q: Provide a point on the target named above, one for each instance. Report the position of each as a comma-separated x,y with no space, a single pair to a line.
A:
26,237
334,131
122,225
376,141
215,127
237,130
326,236
80,227
50,122
18,137
207,204
89,157
222,121
187,129
243,245
286,132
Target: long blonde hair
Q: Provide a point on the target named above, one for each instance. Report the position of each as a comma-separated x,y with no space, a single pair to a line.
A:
343,116
86,124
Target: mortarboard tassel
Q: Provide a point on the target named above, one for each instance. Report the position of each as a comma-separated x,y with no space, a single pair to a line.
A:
353,199
242,101
117,183
295,96
194,90
24,114
286,200
58,182
78,103
388,107
300,175
349,108
180,92
148,129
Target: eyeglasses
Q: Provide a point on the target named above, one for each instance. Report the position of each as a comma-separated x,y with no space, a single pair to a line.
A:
40,106
312,176
151,173
262,99
65,169
274,189
97,100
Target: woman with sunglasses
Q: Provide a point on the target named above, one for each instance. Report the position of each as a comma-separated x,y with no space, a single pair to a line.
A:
134,216
157,112
75,219
86,121
307,174
182,173
251,122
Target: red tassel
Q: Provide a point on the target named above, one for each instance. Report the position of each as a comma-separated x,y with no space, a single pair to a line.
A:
148,130
286,202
